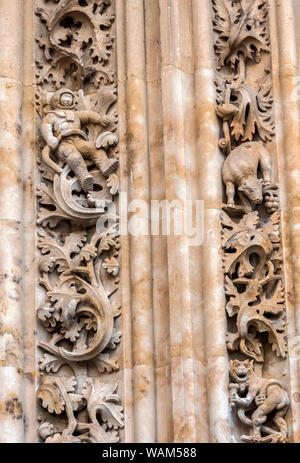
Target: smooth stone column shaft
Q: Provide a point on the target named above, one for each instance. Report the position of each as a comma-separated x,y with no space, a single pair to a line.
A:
125,287
181,185
161,316
140,246
11,269
210,184
29,157
289,80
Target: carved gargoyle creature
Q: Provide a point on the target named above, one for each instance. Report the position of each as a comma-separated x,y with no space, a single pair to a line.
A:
62,130
265,396
240,170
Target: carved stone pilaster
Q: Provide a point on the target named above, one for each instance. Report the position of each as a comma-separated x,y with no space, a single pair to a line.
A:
250,217
78,235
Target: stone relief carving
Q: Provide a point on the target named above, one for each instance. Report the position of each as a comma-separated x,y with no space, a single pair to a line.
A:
250,218
76,43
244,110
90,159
253,284
242,34
78,236
263,397
62,130
79,311
83,411
240,174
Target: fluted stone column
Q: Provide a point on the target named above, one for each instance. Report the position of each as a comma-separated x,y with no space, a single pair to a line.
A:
210,183
289,174
160,274
140,246
175,296
127,360
187,359
11,197
29,224
174,360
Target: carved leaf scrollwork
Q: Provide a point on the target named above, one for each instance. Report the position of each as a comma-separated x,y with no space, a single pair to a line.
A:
247,110
252,261
97,404
241,28
78,236
77,46
253,285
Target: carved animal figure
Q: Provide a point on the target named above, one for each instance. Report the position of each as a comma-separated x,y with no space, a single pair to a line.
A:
240,171
62,130
267,394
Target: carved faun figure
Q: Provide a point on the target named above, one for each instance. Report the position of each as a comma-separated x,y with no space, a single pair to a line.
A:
268,395
61,129
240,171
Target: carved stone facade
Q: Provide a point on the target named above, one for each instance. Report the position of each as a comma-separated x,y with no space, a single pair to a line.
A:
108,108
78,234
251,234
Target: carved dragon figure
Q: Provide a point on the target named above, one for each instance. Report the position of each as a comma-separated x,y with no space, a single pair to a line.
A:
253,284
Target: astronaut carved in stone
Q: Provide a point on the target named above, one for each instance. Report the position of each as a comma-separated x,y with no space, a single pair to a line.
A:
61,129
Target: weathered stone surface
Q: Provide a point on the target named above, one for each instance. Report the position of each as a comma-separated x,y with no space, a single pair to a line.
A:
108,337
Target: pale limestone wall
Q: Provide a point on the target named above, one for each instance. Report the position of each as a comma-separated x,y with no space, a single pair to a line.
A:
173,362
296,6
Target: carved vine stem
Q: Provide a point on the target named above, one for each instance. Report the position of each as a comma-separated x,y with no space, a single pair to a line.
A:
250,219
79,255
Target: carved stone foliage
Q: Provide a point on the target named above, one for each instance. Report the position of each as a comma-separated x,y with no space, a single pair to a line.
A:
75,44
244,110
254,287
241,27
94,415
241,37
253,284
78,237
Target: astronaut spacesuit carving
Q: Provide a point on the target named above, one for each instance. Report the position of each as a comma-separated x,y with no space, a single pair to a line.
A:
61,129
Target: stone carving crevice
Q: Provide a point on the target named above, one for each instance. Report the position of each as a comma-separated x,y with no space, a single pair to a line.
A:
250,218
78,237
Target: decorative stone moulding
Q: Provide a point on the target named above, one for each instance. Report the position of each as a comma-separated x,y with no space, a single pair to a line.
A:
118,117
78,234
251,223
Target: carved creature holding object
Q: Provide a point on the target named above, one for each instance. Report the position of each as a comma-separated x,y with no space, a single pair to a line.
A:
61,129
240,171
267,394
